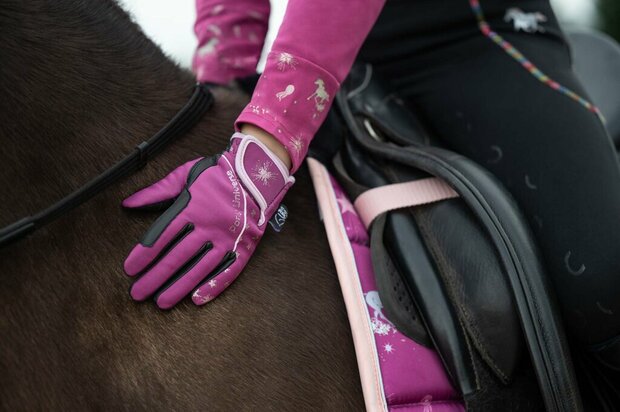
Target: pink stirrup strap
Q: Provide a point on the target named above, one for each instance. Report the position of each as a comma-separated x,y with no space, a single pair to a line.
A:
379,200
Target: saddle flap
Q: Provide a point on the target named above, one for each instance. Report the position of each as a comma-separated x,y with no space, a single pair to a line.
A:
464,260
475,281
471,264
465,264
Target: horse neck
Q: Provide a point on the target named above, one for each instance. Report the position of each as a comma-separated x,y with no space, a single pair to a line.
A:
76,99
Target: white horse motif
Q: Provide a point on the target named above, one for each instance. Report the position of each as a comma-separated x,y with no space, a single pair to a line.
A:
374,301
528,22
320,96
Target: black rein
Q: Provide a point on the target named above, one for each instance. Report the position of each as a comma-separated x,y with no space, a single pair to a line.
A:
198,104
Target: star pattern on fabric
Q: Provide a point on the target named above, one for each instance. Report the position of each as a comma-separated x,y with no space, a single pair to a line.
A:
297,144
285,61
254,108
202,298
380,328
263,173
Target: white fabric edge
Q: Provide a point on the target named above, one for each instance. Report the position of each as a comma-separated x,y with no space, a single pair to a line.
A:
346,268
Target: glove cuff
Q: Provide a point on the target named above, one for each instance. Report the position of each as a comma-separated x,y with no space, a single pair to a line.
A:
261,172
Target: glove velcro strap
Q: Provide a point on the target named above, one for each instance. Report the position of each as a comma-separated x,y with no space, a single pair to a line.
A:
261,172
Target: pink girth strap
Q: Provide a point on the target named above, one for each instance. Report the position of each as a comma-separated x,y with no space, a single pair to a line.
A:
379,200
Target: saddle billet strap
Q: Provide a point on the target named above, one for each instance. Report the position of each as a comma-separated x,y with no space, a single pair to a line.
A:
197,105
504,225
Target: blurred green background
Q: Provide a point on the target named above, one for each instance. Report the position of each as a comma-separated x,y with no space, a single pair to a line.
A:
602,15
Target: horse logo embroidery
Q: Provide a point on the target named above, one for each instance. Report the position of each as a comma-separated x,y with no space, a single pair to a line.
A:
528,22
320,95
286,92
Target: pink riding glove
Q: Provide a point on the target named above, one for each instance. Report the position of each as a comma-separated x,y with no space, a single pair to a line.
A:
204,240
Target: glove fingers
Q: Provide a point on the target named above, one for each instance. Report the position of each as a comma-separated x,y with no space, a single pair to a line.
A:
189,278
164,190
168,266
215,285
142,256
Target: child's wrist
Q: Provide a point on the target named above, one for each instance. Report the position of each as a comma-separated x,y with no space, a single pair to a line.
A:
266,138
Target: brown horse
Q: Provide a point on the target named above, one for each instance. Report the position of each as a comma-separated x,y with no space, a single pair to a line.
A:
80,87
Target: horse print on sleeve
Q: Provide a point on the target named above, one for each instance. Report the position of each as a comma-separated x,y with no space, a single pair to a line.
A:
527,22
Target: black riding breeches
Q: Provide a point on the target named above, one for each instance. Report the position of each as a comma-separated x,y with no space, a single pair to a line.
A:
496,85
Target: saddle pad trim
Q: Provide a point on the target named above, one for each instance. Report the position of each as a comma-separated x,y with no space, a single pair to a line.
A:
376,201
361,329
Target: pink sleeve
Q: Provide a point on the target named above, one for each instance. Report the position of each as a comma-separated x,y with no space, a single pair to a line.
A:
312,54
231,34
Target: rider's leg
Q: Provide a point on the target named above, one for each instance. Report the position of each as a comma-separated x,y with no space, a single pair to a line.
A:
550,151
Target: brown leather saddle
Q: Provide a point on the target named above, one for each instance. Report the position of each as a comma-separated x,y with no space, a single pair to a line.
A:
463,275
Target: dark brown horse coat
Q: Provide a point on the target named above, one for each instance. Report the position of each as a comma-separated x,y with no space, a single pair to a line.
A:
80,86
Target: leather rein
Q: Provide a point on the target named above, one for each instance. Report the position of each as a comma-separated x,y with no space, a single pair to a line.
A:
197,105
